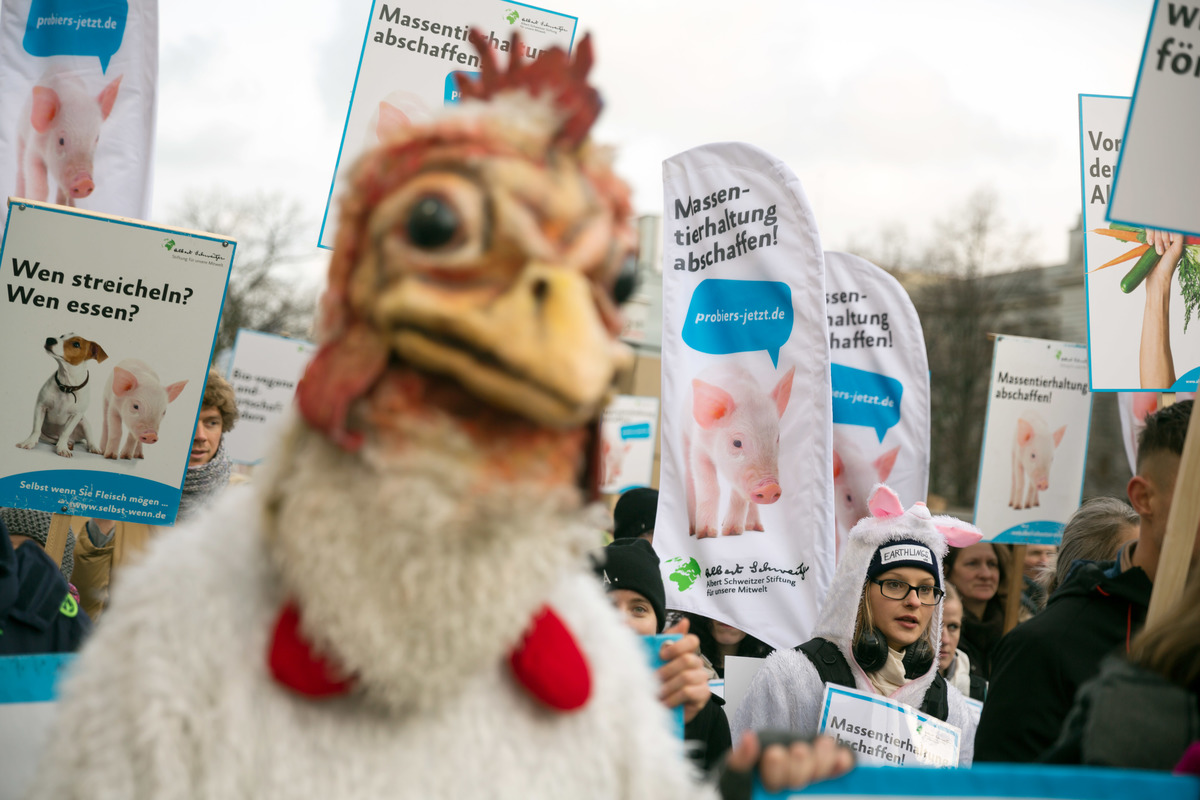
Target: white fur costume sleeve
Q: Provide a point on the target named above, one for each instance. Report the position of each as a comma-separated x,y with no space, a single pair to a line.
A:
787,691
172,698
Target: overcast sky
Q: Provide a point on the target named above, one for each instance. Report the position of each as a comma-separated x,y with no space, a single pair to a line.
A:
891,112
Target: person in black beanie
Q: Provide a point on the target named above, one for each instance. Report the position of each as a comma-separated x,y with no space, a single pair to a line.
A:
634,514
630,573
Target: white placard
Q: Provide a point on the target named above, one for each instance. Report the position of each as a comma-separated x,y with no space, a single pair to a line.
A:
885,733
78,92
264,371
739,673
1158,171
628,435
1130,333
746,444
1035,440
880,379
140,304
411,54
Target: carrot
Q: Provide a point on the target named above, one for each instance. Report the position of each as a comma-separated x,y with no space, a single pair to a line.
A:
1124,236
1132,254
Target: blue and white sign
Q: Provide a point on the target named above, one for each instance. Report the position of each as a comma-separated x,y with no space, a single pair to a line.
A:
108,326
747,405
1138,319
654,645
1156,171
1035,440
1031,782
885,733
628,437
880,379
410,54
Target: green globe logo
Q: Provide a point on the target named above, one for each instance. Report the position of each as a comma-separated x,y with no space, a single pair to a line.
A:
684,575
512,17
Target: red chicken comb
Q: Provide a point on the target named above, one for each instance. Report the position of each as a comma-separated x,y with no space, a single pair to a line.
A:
553,74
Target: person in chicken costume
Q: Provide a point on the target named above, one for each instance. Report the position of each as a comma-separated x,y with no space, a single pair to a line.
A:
395,608
889,646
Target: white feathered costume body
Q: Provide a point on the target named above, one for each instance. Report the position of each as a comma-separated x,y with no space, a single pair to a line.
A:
787,692
400,606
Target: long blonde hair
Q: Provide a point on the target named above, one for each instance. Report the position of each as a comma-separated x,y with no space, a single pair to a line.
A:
1171,647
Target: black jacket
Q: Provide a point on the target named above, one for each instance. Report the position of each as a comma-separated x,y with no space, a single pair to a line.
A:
37,613
1039,665
708,735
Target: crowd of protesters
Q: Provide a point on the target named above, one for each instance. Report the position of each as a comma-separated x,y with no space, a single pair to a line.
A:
1077,680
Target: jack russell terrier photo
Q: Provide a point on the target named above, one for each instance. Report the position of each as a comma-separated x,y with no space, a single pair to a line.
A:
58,416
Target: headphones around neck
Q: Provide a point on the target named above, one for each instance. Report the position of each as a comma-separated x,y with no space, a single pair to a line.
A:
871,653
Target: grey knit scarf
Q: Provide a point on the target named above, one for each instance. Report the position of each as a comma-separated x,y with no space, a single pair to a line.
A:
202,483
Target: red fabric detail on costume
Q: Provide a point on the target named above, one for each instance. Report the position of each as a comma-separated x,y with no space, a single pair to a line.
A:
295,663
550,665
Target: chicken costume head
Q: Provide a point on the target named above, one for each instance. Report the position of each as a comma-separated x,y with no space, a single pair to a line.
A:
469,333
484,248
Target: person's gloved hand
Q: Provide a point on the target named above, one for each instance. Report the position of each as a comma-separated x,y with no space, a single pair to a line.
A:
784,760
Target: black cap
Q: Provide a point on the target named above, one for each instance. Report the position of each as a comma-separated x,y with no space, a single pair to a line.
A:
634,513
632,564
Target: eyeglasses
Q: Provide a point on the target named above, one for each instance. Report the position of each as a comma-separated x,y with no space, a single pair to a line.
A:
898,590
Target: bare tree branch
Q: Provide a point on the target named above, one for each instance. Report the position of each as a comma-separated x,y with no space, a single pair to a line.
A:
268,230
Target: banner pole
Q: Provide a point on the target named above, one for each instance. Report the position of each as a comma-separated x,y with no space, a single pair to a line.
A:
56,539
1182,523
1012,603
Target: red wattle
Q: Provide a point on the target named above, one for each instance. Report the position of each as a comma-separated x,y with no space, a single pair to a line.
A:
550,665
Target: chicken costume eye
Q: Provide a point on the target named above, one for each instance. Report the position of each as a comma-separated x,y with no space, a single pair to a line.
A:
432,223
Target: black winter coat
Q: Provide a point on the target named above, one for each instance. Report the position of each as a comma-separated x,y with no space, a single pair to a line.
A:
1040,664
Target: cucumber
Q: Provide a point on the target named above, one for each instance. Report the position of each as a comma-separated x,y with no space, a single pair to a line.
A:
1141,269
1119,226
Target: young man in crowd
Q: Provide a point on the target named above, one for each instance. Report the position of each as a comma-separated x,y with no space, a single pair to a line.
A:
1039,666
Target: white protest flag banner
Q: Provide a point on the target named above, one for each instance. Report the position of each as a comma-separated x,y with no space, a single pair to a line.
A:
78,91
412,52
1157,169
745,517
885,733
880,377
263,371
628,433
1034,441
1137,321
109,325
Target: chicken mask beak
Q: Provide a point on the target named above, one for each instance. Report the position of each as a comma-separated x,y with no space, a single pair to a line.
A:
540,349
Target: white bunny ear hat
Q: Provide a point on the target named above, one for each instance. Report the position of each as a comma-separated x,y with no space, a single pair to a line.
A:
888,522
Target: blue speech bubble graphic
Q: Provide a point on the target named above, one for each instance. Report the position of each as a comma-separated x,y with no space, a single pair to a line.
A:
637,430
450,95
739,317
76,28
865,398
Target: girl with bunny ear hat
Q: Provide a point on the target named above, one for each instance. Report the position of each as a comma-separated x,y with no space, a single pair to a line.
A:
879,630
